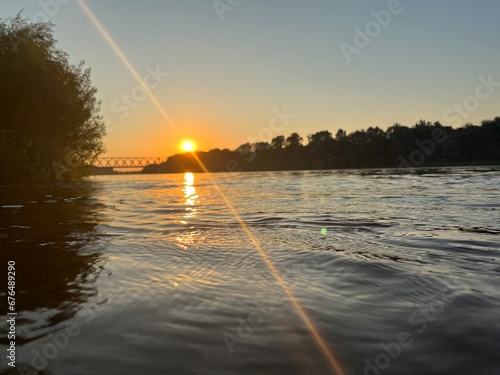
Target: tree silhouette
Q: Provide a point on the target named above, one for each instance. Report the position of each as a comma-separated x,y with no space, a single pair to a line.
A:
319,137
50,127
278,142
294,140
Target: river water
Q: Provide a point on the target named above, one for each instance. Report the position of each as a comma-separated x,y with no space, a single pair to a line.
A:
321,272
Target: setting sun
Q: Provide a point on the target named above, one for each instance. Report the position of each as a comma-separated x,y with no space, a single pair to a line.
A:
188,146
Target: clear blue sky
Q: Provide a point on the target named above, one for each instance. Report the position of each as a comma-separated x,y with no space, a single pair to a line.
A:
227,76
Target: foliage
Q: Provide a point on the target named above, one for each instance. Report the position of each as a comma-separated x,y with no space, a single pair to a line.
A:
50,127
371,148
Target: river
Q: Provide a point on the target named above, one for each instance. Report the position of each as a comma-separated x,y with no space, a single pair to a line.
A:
314,272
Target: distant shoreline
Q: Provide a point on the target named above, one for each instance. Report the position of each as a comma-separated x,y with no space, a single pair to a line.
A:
425,145
424,167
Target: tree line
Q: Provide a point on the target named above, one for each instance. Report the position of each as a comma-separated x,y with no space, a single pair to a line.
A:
424,144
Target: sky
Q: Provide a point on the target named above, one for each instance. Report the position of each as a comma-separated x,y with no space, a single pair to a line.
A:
226,72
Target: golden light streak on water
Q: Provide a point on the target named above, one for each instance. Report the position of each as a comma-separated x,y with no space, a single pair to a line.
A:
332,361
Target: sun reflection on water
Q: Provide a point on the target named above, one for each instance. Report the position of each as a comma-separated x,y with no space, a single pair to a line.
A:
191,200
190,195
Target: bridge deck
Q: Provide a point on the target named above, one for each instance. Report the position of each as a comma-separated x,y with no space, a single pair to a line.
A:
128,161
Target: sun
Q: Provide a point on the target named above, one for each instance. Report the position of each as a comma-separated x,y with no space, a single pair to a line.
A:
188,145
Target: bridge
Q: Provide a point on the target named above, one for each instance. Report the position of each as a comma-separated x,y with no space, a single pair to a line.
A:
128,161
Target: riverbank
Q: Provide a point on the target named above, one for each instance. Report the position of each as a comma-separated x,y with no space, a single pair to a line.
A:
97,171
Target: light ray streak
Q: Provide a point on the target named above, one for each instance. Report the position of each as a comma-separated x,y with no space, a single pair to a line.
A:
325,350
320,342
125,61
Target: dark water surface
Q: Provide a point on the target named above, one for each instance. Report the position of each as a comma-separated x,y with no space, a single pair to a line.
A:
156,275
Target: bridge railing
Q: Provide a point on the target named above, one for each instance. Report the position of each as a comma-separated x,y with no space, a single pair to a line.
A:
128,161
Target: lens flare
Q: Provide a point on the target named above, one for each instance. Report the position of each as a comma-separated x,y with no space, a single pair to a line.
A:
125,61
320,342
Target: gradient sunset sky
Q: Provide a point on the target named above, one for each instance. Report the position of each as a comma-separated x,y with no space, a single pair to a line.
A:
229,72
